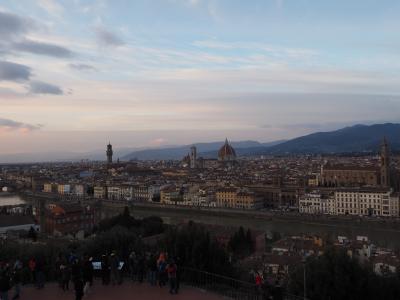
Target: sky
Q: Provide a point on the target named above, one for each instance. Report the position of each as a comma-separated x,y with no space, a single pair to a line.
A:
76,74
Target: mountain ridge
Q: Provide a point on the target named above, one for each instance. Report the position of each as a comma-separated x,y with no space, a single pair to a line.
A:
357,138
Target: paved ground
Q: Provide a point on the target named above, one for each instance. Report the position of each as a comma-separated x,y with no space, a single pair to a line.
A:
126,291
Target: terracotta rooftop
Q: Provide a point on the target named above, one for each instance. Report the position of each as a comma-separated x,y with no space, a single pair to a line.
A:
343,167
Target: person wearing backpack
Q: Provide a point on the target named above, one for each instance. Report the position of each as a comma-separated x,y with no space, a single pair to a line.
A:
171,271
162,273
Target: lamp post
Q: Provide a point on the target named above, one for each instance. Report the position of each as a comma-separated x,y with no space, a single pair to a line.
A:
304,278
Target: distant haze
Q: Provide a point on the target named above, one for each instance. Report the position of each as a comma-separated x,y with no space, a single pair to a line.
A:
357,138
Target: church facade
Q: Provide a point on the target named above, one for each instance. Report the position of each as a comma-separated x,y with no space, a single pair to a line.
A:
349,175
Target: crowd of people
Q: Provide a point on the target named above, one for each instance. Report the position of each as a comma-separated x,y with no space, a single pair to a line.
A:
269,291
77,273
156,269
10,277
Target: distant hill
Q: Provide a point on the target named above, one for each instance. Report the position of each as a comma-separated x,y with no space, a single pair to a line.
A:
207,150
357,138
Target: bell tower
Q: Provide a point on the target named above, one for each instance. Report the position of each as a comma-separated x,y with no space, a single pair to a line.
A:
193,157
109,153
385,163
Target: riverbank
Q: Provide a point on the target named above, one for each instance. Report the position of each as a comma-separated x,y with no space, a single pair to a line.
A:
386,234
6,194
383,231
11,199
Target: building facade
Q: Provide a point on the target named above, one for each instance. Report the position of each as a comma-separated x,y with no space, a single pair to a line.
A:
226,153
65,218
340,175
234,198
366,202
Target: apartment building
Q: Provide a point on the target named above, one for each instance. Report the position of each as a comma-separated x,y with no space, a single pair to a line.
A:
366,202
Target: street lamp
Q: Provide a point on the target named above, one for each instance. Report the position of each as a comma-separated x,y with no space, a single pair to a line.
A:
304,277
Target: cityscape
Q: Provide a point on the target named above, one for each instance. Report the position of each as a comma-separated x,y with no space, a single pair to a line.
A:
199,149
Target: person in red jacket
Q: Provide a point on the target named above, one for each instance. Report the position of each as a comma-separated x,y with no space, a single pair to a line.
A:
171,271
259,281
32,268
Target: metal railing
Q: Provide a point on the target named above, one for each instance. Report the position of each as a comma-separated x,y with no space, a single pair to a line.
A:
229,287
222,285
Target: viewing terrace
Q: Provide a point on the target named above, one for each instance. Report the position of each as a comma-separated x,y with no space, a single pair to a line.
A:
126,291
195,285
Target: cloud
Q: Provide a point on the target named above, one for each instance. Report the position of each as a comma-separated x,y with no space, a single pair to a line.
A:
20,73
14,72
158,142
271,50
107,38
82,67
9,125
38,87
13,32
8,93
52,7
42,48
12,25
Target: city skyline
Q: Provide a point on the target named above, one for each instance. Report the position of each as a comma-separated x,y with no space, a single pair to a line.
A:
154,73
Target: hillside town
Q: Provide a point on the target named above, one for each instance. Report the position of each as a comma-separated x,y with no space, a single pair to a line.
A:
337,185
70,200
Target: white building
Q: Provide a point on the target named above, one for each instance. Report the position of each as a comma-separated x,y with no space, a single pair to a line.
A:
153,193
79,190
366,202
316,203
140,193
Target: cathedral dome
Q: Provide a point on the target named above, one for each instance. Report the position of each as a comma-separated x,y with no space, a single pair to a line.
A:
226,152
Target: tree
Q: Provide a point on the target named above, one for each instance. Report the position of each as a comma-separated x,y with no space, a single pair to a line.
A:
241,243
197,249
335,275
123,220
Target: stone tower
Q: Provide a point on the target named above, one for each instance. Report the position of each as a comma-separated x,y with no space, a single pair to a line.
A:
385,163
193,157
109,153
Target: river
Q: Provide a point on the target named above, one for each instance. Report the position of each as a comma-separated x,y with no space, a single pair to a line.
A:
7,199
385,235
380,235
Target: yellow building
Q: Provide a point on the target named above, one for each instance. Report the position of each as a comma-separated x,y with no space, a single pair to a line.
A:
226,197
170,195
48,187
248,200
232,198
99,192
